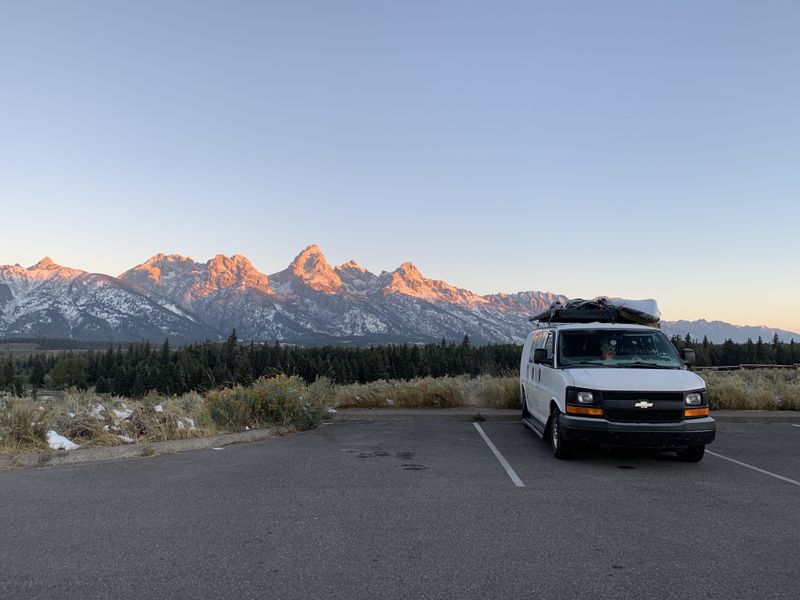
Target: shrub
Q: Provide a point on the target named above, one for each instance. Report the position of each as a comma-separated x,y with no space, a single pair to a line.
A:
230,408
21,423
280,400
320,396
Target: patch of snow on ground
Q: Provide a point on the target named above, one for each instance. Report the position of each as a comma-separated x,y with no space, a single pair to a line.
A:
158,408
125,439
97,409
59,442
124,413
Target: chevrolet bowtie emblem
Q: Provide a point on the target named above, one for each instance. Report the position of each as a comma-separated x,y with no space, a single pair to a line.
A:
643,404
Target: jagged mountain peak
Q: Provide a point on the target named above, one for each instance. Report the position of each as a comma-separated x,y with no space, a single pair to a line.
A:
186,281
225,271
161,258
409,281
409,269
313,270
309,258
237,261
149,272
46,269
351,265
46,264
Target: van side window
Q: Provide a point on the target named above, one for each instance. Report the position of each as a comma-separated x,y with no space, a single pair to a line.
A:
537,343
549,344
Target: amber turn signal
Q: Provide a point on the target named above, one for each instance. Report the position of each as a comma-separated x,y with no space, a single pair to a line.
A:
584,410
696,412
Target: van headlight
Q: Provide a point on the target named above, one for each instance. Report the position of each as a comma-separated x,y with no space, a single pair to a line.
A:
693,399
585,398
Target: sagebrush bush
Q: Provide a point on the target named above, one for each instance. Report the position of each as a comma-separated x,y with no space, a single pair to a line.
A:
280,400
230,408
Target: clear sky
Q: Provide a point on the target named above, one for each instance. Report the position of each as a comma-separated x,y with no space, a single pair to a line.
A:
639,149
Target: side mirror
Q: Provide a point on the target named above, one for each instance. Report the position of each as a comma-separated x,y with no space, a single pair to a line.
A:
540,356
688,356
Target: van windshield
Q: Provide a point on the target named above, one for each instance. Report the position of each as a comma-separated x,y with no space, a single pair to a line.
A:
617,348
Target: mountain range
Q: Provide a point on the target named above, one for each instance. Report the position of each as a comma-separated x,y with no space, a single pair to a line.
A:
309,302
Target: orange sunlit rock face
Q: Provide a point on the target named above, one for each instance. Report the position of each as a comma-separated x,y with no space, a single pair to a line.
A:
182,277
42,270
311,267
352,266
408,280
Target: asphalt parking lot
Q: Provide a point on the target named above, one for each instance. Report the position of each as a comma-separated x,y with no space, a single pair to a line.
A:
411,510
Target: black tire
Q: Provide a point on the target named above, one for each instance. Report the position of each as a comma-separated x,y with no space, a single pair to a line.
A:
691,454
562,449
525,413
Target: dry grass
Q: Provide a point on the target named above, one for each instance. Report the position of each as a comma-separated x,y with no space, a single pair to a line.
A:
431,392
90,420
762,389
280,400
22,424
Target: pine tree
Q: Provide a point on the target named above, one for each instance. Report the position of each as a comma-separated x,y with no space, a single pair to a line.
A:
7,374
36,377
102,387
137,389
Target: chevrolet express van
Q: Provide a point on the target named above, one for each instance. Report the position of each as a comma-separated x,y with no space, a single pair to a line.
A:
613,383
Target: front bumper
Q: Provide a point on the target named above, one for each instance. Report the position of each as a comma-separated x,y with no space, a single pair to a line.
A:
691,432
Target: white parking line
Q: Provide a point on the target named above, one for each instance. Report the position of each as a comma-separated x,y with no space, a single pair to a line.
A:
511,473
738,462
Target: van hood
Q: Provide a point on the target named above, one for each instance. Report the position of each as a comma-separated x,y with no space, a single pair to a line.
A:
649,380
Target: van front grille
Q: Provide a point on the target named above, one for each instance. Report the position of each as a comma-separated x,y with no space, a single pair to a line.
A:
667,407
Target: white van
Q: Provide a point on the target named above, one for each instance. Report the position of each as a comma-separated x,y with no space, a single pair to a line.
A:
616,384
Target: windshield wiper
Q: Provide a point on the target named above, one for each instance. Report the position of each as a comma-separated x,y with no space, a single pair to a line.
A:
584,362
643,365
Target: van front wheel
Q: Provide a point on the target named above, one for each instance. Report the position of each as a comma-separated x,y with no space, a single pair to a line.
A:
562,449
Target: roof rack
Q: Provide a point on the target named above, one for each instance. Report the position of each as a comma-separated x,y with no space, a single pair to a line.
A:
601,310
